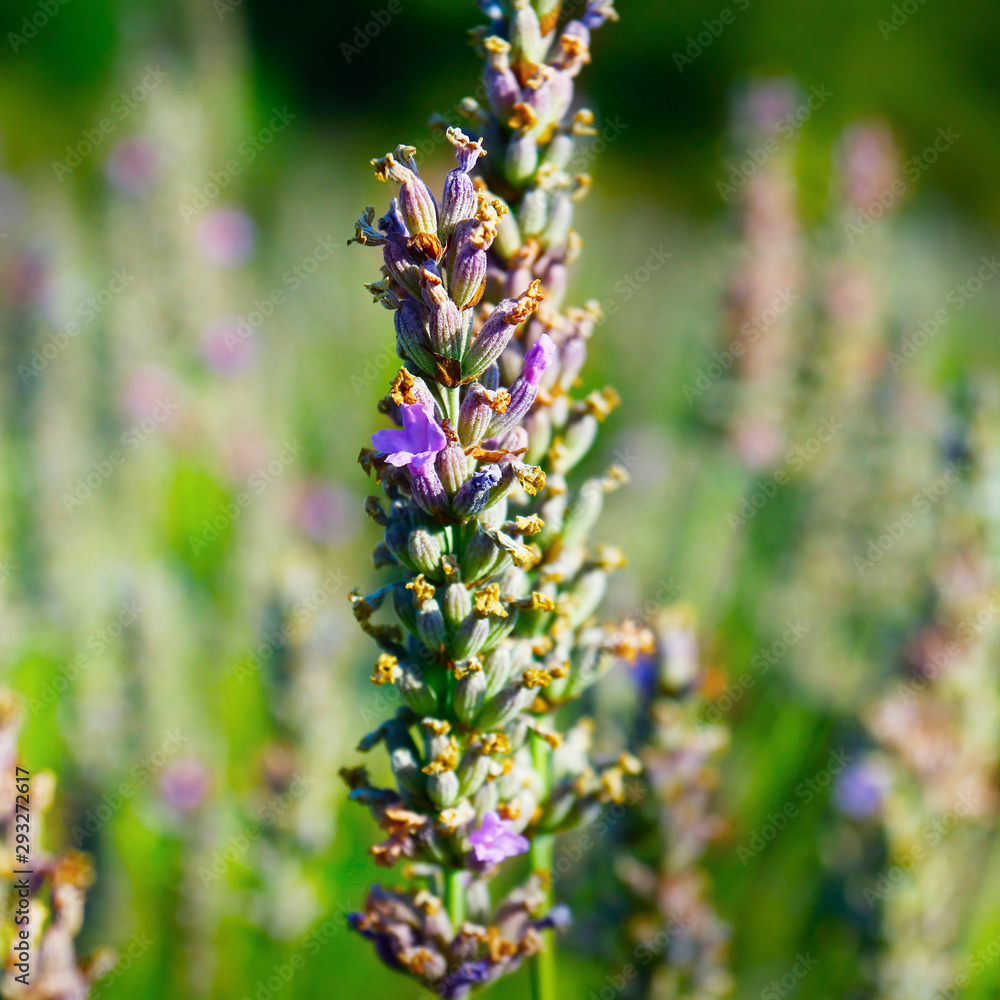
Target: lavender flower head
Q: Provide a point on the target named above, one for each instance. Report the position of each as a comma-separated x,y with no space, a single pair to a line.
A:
495,585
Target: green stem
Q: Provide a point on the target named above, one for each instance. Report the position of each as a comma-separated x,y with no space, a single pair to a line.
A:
543,965
453,403
455,897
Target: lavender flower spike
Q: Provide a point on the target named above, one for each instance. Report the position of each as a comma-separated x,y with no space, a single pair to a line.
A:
495,840
496,585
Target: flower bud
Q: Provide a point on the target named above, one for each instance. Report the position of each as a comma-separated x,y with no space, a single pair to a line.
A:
397,536
500,709
470,693
525,388
430,625
495,335
577,439
559,221
457,604
538,424
521,159
473,497
582,515
453,468
587,592
443,789
412,341
416,693
497,667
527,43
406,770
459,198
470,637
476,414
480,554
499,81
416,203
446,327
473,770
426,489
424,551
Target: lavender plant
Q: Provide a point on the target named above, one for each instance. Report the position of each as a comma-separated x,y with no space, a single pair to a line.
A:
496,584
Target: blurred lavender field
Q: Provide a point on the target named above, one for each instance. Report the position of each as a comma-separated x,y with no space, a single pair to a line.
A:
798,311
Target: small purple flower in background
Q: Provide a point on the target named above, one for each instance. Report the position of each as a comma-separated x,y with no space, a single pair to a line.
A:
184,784
859,790
495,840
227,236
228,347
133,167
319,511
417,444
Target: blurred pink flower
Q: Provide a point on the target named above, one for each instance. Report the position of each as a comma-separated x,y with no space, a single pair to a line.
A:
184,784
133,167
228,346
870,164
227,236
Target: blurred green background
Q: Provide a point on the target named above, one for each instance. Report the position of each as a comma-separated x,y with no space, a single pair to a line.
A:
176,621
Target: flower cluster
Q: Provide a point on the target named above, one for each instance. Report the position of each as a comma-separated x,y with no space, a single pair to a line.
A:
672,917
495,586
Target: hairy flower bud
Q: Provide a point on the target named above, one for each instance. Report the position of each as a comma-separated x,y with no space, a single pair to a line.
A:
495,335
412,340
416,203
458,201
424,550
473,497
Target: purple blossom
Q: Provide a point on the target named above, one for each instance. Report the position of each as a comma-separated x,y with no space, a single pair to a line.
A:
227,346
417,445
495,840
185,784
538,358
227,236
859,791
